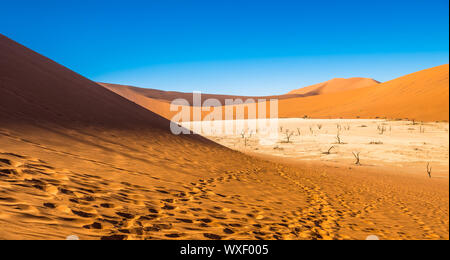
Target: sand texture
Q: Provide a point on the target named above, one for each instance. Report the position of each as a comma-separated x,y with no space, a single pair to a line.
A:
78,159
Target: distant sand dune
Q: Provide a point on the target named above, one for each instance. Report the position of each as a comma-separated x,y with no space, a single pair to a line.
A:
422,96
169,96
335,85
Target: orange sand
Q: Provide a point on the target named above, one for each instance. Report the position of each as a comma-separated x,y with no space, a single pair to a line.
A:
335,85
421,96
77,159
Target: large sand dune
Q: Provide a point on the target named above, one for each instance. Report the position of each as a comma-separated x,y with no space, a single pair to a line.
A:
159,101
335,85
169,96
422,96
77,159
35,90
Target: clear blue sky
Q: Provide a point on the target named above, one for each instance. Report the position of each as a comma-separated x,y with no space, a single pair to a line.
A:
239,47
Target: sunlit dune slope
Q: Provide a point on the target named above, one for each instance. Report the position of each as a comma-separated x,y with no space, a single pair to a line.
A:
422,95
335,85
159,101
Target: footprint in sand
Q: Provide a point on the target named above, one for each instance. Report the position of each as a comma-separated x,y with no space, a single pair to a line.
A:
212,236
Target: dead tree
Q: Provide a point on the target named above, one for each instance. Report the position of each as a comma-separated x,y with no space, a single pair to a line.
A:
329,150
338,138
243,134
356,154
422,129
429,170
288,136
381,129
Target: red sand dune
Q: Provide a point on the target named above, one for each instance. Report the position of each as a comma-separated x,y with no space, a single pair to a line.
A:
34,89
77,153
335,85
169,96
423,95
